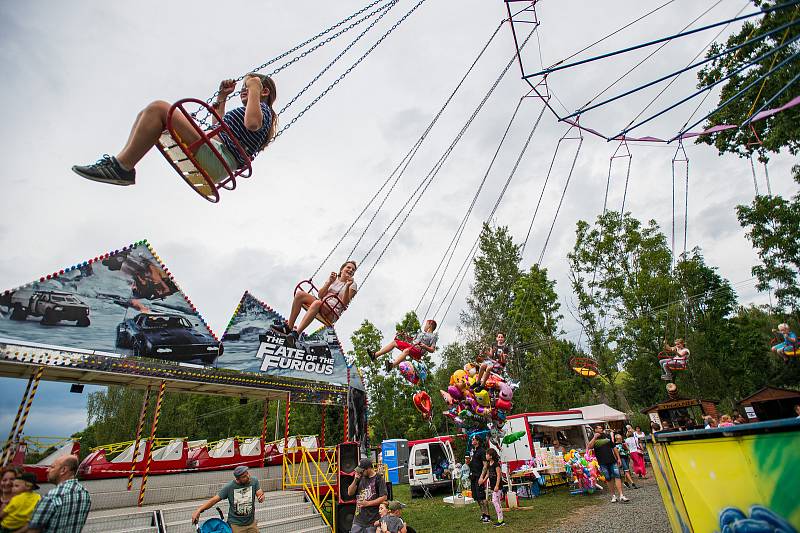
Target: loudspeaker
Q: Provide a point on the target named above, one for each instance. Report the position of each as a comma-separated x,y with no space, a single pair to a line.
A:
348,456
345,513
344,481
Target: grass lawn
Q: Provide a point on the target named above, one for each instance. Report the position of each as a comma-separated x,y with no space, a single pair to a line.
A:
537,514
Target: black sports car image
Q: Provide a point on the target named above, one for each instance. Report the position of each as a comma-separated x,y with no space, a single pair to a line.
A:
167,336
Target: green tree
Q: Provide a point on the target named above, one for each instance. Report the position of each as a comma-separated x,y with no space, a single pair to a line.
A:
496,267
620,274
778,131
773,226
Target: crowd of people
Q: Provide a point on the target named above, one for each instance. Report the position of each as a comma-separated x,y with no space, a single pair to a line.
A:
63,509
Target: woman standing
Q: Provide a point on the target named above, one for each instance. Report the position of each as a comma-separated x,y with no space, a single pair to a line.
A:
494,474
7,477
637,457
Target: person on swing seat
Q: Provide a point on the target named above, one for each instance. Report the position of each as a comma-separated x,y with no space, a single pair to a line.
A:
422,343
789,343
341,285
253,125
678,360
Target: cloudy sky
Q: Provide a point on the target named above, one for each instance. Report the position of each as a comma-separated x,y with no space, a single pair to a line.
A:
76,73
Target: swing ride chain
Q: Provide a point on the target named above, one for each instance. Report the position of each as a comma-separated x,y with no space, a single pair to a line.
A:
405,161
358,61
339,56
335,35
428,179
301,45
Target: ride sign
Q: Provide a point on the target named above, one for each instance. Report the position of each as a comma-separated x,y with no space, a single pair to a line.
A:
275,354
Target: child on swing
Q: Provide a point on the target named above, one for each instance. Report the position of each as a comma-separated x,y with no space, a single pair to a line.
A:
341,285
789,343
679,359
495,361
422,343
253,125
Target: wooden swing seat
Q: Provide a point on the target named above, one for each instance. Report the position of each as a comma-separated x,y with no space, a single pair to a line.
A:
182,155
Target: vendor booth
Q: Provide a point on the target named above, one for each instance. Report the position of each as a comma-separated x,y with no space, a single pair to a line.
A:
770,403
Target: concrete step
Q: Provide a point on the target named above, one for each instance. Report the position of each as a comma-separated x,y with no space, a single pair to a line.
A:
172,480
278,506
273,501
266,513
163,495
316,529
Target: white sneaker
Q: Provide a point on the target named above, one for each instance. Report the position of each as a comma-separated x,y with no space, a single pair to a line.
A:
623,499
614,499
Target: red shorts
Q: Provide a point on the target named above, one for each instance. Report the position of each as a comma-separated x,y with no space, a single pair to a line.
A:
413,350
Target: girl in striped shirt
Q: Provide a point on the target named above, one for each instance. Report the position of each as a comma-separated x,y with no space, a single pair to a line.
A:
253,125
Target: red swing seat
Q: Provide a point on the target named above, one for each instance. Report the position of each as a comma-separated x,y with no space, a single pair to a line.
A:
182,155
330,303
675,365
585,367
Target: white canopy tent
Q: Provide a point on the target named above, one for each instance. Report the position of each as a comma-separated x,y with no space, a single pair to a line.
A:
602,412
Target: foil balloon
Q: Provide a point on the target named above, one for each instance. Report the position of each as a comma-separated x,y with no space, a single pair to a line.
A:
423,403
407,371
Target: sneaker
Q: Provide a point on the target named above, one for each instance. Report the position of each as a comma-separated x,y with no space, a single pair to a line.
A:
106,170
292,338
623,499
281,327
614,499
499,524
627,485
485,519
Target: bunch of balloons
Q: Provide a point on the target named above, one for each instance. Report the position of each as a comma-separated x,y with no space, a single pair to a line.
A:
584,471
477,411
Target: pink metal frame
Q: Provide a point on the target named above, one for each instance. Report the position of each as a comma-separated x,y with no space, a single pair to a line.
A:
190,150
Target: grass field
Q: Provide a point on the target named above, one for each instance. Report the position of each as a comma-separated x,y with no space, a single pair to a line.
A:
538,514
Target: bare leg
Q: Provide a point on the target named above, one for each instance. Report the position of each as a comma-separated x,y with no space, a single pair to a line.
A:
311,313
618,483
386,349
300,299
147,129
629,478
400,358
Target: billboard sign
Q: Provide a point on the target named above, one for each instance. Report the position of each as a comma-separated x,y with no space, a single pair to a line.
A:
123,302
251,345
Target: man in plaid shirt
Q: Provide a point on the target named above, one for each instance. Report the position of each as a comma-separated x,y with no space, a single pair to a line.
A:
65,508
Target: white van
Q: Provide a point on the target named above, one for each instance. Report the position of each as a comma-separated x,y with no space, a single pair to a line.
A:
430,464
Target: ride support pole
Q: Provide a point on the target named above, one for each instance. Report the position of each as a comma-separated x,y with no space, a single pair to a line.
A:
10,440
149,449
346,409
264,433
138,440
286,425
37,377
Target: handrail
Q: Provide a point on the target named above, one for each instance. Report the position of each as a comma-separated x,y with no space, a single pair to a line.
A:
120,446
301,469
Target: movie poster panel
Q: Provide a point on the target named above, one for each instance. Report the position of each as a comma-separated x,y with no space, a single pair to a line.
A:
251,345
123,303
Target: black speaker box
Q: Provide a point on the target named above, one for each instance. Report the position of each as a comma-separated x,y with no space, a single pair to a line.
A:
344,481
348,456
345,513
